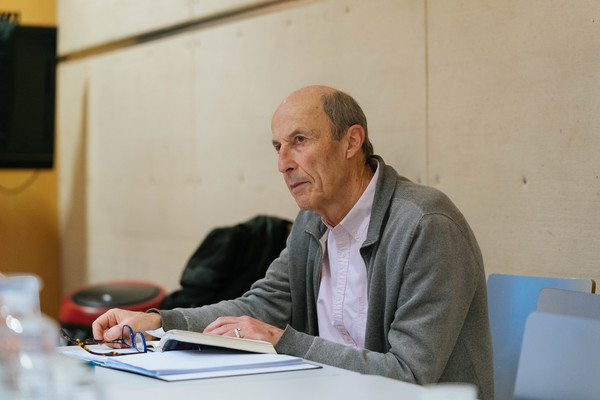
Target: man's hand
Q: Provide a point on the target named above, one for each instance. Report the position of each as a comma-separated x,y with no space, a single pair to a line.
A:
109,326
249,328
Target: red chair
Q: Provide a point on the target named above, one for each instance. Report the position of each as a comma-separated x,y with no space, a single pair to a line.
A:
80,308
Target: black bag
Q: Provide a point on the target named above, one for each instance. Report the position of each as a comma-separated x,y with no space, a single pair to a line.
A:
228,261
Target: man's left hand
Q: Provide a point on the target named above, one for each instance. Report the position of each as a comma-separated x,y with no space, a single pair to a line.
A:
247,328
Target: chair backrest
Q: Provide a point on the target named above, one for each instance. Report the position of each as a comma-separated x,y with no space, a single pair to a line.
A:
511,298
560,358
569,302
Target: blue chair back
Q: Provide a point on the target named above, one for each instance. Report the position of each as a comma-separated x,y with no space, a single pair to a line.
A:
560,358
511,298
569,302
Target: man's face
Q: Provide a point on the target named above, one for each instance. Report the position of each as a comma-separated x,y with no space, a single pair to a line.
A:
311,161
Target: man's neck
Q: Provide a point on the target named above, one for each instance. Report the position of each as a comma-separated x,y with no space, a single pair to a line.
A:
357,184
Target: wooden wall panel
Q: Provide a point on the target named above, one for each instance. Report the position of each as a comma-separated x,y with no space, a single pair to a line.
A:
71,143
514,129
92,23
141,180
88,23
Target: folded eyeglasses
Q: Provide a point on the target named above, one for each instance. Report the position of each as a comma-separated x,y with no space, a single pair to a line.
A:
130,339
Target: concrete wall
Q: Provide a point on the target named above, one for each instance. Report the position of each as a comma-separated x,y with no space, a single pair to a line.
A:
161,140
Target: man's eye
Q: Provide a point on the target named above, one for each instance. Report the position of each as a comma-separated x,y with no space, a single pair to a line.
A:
300,139
277,147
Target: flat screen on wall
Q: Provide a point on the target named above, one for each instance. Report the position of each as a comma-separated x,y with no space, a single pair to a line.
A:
27,95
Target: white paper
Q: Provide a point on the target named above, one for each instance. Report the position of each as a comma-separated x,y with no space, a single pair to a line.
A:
156,332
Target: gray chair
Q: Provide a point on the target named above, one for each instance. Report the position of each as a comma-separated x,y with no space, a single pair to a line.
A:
560,358
569,302
511,298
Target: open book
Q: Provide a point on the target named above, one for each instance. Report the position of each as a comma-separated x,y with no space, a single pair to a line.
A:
176,339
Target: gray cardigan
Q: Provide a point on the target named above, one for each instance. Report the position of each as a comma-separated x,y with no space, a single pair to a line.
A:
427,319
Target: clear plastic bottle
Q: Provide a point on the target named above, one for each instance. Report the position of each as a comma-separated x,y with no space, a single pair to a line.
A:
28,341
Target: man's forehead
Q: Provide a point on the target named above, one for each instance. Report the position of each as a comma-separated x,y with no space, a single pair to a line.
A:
299,108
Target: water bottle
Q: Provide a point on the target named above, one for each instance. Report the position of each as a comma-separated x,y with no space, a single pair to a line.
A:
28,341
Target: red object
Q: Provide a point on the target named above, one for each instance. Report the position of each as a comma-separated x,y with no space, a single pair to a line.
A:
83,306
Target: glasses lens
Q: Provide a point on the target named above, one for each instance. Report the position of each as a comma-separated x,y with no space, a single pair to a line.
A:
127,335
140,342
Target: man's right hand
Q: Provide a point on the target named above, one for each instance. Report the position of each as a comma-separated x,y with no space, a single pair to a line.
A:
109,326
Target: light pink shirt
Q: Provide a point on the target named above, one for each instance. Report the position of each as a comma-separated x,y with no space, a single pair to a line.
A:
342,304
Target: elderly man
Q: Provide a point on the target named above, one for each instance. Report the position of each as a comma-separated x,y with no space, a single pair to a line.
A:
380,275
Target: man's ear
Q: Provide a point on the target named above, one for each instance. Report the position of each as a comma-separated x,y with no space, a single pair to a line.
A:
356,137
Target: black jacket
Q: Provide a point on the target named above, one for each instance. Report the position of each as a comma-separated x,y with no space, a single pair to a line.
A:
228,261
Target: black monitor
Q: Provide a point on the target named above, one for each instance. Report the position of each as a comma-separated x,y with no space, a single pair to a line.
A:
27,95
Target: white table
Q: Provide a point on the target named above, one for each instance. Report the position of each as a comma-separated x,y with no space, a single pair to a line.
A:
323,383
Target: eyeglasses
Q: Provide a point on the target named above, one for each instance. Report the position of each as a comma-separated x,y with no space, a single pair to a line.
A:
133,340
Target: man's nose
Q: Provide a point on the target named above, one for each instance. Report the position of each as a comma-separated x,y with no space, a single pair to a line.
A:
286,160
